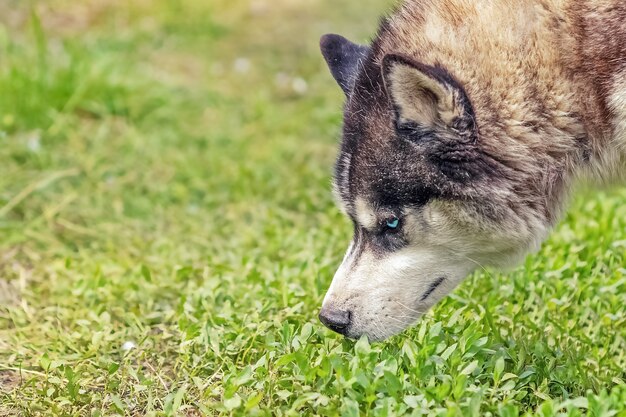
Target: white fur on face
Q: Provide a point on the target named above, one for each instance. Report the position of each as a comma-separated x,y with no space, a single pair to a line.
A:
365,214
385,296
386,292
342,182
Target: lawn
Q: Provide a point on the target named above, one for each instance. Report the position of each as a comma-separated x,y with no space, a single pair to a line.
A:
167,234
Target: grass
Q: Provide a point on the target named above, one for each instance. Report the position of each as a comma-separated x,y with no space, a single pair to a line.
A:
167,234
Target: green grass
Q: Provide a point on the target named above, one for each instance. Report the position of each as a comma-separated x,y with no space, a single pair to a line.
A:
167,234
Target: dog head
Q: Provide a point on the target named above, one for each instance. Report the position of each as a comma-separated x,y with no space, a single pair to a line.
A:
430,202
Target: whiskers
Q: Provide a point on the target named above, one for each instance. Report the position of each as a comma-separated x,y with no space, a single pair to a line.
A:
398,323
379,333
382,326
415,313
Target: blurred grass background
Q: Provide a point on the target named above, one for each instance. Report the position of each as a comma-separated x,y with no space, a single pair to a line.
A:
167,234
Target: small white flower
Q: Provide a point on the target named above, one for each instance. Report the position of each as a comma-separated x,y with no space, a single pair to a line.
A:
128,345
299,85
242,65
34,142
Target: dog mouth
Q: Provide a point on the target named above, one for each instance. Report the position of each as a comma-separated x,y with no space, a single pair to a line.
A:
382,313
432,288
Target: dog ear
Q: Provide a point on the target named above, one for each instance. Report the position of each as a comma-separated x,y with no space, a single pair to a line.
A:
342,57
427,96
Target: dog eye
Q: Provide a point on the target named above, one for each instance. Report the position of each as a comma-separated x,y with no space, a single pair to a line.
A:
393,223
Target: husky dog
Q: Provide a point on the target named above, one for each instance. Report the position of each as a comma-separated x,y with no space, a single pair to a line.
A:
466,124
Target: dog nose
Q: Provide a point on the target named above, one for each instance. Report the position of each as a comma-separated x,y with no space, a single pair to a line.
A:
336,320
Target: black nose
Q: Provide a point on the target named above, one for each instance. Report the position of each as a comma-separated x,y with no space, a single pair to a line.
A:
336,320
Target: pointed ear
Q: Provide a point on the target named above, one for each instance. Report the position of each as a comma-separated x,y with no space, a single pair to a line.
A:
342,57
427,96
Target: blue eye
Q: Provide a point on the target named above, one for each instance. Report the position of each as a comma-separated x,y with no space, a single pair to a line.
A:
393,223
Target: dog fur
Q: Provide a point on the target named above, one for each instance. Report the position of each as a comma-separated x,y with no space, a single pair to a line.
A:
468,121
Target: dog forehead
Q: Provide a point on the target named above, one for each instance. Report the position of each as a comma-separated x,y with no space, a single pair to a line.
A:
383,170
374,163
